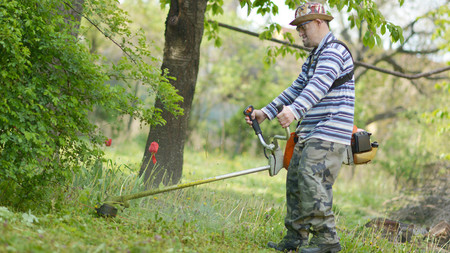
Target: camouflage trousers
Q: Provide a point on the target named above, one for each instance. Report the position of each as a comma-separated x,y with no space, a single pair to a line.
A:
313,169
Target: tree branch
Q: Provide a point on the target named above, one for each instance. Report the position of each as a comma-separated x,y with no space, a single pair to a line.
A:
357,63
406,76
386,115
100,30
237,29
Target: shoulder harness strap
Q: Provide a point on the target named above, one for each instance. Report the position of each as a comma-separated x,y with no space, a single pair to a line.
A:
343,79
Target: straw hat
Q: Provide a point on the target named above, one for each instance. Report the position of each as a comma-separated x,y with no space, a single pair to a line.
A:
310,11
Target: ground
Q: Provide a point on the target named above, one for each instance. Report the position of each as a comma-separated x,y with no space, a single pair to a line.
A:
429,202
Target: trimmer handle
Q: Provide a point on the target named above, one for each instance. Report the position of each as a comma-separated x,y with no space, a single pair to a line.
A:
248,112
287,134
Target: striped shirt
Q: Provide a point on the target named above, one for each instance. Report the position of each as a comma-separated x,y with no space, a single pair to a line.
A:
325,114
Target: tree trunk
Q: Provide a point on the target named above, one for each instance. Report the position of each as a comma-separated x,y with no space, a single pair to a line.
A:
72,14
183,35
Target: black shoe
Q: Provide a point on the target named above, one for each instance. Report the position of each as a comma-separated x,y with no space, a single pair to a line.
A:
285,245
322,248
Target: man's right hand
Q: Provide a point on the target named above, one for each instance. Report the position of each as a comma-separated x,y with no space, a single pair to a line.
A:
259,115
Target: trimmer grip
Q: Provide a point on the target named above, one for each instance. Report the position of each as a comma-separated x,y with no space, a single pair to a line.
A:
248,112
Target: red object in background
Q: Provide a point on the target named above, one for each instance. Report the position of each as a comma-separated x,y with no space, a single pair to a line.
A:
108,142
153,149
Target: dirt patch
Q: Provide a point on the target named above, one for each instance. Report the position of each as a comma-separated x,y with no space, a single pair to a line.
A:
421,210
437,236
428,203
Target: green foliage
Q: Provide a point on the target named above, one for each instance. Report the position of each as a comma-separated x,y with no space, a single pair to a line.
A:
440,117
441,18
273,52
138,65
367,13
211,29
211,32
215,7
264,7
50,82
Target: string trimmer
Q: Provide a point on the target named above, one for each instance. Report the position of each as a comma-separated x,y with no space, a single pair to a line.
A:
275,157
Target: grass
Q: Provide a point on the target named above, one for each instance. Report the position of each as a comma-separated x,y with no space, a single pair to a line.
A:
236,215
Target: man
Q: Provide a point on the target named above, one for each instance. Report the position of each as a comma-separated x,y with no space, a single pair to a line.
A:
326,114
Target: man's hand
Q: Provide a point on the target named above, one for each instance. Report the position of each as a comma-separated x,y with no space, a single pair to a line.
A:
285,117
259,115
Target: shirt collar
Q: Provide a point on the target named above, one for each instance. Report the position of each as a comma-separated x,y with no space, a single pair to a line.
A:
327,38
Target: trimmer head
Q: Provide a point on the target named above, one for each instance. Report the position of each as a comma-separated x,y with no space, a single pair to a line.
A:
107,210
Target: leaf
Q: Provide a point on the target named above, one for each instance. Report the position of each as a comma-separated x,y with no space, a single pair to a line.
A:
383,29
249,7
378,38
218,42
402,39
371,42
274,9
242,3
366,38
352,21
278,27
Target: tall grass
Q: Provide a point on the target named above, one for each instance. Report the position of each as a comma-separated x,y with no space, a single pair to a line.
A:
236,215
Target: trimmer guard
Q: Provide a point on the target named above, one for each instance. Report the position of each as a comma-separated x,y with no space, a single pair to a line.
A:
276,161
348,156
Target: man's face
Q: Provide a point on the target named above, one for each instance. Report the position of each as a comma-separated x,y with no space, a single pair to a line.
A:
306,31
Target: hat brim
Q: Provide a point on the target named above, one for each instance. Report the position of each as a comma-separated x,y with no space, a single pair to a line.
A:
309,17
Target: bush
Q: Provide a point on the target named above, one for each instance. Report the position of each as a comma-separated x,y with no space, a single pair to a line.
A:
50,82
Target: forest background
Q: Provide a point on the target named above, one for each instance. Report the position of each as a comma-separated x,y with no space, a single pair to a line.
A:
408,117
